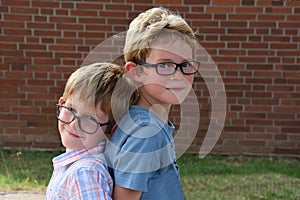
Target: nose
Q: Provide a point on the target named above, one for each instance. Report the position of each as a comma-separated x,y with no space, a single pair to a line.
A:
178,75
75,124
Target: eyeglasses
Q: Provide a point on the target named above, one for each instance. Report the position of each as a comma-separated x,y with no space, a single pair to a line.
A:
86,124
169,68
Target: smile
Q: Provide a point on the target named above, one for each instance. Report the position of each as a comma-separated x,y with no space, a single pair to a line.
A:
73,135
177,89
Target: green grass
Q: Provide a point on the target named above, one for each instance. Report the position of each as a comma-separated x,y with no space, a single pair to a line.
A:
240,177
213,177
25,170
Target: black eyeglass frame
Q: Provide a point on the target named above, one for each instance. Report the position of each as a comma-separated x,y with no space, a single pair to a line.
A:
180,65
99,124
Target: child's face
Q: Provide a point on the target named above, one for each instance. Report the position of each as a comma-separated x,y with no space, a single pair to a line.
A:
170,89
73,137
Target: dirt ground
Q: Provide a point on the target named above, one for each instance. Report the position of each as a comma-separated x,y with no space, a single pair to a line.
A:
22,195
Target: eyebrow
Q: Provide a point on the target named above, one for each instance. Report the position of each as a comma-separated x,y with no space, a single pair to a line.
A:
169,60
70,105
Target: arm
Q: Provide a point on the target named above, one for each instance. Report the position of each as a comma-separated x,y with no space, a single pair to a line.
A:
121,193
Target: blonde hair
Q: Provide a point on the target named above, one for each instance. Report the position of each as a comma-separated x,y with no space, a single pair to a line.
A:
95,84
152,25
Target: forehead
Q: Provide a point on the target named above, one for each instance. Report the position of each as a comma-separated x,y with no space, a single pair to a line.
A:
166,50
82,107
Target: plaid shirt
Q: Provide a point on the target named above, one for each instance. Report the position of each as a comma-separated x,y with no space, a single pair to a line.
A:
80,174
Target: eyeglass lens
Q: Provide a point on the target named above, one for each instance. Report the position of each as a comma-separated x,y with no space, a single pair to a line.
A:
170,68
86,123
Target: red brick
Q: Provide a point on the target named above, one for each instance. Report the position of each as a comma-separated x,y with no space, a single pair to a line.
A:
67,4
291,31
287,151
140,1
33,46
91,6
15,3
225,3
264,3
168,2
91,34
24,10
265,102
289,24
202,2
11,123
219,9
6,24
284,52
17,60
257,108
232,23
263,24
286,10
258,81
20,143
38,54
17,32
260,66
61,12
47,11
271,17
18,74
297,10
63,19
254,45
252,59
248,2
70,26
69,41
85,13
259,136
249,9
45,33
3,9
9,53
40,26
242,17
252,142
45,4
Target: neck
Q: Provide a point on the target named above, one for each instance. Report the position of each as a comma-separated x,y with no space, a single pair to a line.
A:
160,109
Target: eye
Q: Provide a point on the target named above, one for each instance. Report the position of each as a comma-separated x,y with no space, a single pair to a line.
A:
166,65
162,65
70,109
186,64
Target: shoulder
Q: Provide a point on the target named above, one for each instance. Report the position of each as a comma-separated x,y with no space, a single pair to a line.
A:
137,115
141,123
89,163
90,167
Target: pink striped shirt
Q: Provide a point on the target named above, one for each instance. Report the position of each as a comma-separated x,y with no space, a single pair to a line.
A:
80,174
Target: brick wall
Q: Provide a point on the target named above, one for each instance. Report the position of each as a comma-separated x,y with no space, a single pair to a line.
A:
255,45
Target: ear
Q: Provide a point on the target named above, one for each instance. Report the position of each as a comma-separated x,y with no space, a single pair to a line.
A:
61,100
132,71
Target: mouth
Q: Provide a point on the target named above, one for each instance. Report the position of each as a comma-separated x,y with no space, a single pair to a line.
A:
176,89
73,135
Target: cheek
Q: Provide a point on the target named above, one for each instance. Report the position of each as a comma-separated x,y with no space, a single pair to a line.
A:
189,79
60,126
94,140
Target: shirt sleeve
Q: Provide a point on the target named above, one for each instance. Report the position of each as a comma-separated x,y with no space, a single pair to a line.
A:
140,157
88,183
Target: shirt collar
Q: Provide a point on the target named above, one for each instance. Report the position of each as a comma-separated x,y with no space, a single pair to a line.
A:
74,155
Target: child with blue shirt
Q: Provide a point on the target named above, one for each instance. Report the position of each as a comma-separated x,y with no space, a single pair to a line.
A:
84,122
159,53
